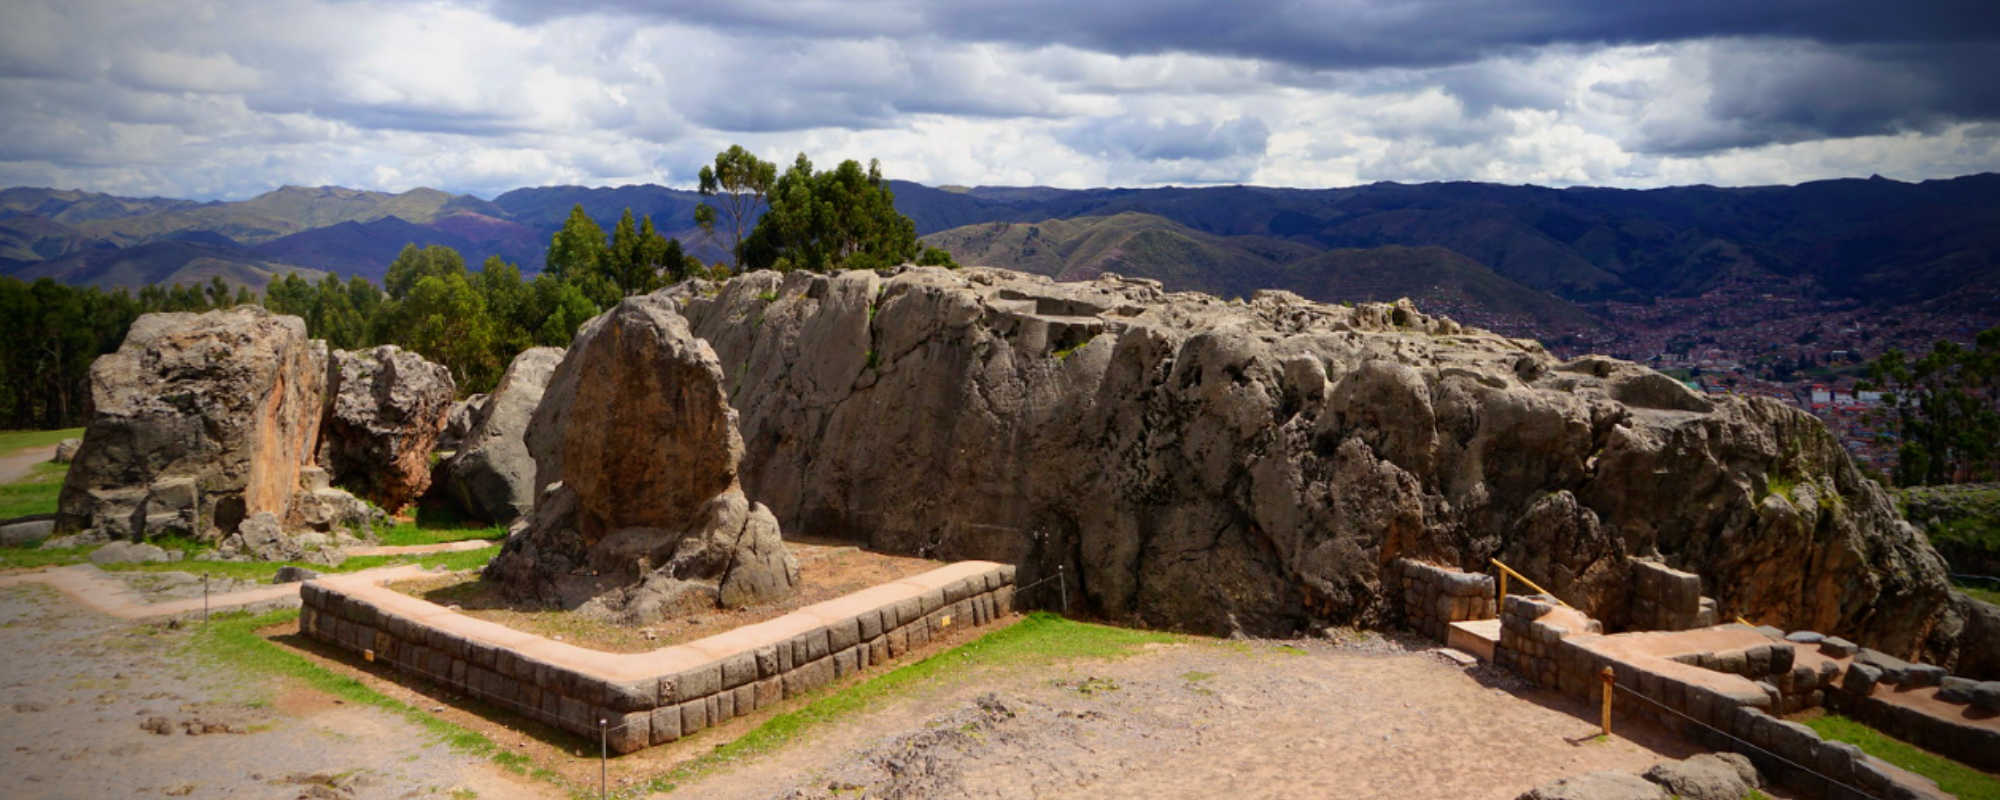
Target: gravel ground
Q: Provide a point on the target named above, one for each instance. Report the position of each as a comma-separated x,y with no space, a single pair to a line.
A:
1374,717
92,707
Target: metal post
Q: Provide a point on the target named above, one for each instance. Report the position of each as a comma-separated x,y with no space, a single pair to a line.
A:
1063,583
603,763
1608,688
1503,587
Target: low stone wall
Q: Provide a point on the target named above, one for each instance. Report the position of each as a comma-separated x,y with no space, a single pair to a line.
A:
1919,704
1434,596
1667,599
657,697
1545,643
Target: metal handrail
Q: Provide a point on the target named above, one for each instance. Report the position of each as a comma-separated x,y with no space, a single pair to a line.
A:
1507,570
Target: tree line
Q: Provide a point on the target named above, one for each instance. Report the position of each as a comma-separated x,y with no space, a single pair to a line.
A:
475,321
1945,405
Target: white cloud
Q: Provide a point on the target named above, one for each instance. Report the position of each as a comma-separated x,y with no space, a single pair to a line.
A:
226,98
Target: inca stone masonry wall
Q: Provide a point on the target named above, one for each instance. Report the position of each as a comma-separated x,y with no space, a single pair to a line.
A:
1434,596
1667,599
657,697
1699,684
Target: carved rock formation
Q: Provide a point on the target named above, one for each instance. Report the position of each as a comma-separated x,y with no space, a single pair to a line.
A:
642,515
389,407
493,477
1255,466
201,421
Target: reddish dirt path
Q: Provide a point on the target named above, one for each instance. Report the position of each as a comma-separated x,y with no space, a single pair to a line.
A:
17,466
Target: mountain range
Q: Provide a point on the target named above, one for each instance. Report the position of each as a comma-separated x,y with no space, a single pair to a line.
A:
1519,252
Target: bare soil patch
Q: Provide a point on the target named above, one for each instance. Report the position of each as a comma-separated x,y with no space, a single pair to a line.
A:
826,571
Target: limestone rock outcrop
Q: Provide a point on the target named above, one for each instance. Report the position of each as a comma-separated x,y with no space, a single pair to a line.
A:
464,416
1228,465
492,477
388,409
201,422
642,513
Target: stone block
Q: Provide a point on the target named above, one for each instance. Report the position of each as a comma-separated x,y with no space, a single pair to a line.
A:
1733,662
1986,696
738,670
1782,658
843,634
746,699
843,663
1836,760
878,651
931,601
630,732
1861,679
694,716
898,641
701,681
787,656
1956,690
908,611
723,708
1804,637
1921,675
629,696
770,692
1757,661
815,641
665,725
1836,647
957,590
767,662
920,635
870,625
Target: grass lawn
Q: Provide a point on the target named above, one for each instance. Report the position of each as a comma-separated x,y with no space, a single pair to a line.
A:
1979,590
12,442
1040,639
35,494
1958,779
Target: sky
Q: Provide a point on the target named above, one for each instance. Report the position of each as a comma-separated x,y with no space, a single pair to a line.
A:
225,99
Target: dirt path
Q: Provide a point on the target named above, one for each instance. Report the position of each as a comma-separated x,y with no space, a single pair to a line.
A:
1309,719
17,466
91,706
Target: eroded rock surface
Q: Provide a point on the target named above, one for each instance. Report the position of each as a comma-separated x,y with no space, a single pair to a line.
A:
1254,466
201,421
493,476
389,407
638,448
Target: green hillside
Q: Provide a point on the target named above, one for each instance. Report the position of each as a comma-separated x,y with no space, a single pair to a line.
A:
27,237
1439,280
1185,259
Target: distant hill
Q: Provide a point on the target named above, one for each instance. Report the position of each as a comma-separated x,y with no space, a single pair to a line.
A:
163,263
367,248
72,207
1184,259
1876,241
286,211
30,237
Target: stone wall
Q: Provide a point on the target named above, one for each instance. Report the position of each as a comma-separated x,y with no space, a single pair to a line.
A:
1667,599
1434,596
1659,679
657,697
1919,704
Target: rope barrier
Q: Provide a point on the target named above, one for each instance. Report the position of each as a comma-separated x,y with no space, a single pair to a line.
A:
1795,765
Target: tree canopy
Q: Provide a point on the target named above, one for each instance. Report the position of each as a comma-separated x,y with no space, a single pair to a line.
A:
1947,407
844,218
740,182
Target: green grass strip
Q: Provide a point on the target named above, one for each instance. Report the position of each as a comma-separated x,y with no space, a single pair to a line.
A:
1958,779
1042,638
34,494
231,639
12,442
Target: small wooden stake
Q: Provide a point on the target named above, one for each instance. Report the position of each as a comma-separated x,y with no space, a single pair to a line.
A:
1606,675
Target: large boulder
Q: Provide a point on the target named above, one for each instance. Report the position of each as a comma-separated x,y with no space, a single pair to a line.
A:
493,477
1255,466
200,422
464,416
1597,786
642,514
1707,776
388,408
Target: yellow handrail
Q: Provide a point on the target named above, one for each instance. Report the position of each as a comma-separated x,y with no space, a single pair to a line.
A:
1507,570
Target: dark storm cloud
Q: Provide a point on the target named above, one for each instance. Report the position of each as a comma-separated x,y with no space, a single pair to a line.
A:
1323,34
